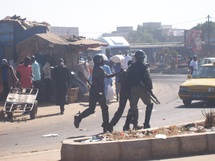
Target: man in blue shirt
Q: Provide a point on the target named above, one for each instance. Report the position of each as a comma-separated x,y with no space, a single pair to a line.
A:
36,76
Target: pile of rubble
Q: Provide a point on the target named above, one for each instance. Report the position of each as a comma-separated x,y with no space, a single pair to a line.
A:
164,132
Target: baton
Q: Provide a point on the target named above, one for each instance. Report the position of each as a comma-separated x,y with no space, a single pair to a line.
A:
150,94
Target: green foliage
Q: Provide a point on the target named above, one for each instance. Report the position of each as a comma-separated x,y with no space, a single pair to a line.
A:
142,35
151,35
204,27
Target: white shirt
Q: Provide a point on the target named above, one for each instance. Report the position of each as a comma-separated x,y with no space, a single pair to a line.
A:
194,64
47,71
125,62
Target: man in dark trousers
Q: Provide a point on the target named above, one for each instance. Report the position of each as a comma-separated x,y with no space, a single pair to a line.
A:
138,74
62,80
124,96
97,94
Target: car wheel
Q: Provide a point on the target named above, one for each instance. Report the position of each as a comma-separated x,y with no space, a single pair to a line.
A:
187,102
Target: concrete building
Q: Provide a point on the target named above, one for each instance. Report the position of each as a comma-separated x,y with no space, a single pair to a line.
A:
65,31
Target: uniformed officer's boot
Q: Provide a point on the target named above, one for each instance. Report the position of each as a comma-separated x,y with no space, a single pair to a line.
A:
77,119
62,109
135,121
106,128
126,127
105,124
148,116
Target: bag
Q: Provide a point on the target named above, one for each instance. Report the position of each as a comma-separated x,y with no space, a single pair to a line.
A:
117,58
110,93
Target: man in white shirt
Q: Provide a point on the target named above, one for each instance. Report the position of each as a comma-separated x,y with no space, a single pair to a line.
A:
47,81
125,62
193,65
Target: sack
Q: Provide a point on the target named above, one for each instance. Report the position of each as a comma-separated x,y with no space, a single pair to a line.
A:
117,58
110,93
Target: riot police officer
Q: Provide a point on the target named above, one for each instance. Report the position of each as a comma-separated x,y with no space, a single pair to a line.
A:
96,94
138,74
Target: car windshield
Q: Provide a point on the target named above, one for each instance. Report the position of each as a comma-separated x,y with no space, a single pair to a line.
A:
205,72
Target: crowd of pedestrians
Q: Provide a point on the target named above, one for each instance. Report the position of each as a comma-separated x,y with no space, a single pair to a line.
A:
130,75
30,74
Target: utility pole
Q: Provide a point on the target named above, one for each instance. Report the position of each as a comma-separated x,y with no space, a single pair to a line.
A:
208,36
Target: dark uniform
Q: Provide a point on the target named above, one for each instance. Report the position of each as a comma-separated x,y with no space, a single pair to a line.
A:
96,94
62,80
138,72
124,96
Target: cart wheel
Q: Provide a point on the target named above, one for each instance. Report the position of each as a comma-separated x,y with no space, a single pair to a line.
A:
33,112
2,115
10,115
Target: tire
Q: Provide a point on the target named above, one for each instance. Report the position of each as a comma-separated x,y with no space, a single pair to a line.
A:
33,112
9,115
187,102
2,115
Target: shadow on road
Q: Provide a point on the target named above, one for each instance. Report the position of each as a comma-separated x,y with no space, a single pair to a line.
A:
199,104
76,137
24,118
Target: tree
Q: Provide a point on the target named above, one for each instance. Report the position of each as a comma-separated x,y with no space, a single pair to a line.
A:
142,35
207,28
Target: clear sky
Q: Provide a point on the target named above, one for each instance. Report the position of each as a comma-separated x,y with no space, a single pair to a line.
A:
94,17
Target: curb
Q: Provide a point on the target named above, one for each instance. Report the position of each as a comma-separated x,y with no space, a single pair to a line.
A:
138,149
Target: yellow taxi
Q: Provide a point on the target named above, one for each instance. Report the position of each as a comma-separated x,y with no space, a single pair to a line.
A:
200,86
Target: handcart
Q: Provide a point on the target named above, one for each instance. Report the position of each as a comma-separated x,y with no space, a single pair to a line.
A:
21,100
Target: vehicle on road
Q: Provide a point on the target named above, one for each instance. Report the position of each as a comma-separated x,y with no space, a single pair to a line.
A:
200,86
206,60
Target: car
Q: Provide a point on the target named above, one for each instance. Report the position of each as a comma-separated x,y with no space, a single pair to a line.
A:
200,86
206,60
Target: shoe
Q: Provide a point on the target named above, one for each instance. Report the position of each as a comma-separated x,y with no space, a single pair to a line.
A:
106,128
126,128
62,111
146,126
138,127
110,128
77,120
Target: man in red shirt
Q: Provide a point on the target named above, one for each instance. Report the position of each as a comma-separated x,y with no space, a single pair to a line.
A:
24,73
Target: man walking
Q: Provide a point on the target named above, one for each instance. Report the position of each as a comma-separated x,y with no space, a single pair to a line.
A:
138,74
124,96
62,80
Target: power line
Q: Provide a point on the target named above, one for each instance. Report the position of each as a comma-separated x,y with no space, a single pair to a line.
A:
189,21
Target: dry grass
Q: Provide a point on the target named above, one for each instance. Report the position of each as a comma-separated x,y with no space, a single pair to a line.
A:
209,118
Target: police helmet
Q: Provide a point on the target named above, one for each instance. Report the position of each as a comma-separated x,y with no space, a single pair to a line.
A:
139,55
98,59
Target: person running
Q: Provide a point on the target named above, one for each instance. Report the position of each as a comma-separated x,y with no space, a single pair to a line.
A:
96,94
124,96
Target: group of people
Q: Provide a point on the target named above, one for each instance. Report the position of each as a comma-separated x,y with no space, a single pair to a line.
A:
29,74
131,81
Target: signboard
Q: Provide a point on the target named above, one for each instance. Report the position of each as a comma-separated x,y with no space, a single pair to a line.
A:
193,39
